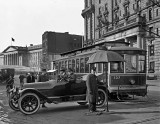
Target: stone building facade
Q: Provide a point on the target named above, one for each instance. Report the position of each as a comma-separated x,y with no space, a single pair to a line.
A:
134,21
17,56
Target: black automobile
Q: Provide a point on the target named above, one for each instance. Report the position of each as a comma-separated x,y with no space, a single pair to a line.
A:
29,99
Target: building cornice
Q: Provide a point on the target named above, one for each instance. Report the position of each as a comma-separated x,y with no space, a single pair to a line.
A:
87,10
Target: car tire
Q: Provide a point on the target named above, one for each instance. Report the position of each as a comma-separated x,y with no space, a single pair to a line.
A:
102,97
29,103
13,104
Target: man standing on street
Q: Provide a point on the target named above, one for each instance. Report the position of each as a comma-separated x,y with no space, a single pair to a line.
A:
92,90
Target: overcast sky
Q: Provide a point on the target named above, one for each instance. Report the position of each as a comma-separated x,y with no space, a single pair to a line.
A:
27,20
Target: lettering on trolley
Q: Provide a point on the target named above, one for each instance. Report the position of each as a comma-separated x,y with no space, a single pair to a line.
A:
116,77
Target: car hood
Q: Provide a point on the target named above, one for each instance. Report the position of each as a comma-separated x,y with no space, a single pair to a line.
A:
41,85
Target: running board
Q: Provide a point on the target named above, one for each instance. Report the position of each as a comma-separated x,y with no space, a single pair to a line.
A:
67,98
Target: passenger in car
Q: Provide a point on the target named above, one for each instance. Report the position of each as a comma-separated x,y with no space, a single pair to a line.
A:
71,76
62,75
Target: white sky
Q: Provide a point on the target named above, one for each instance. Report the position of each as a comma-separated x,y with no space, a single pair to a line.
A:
27,20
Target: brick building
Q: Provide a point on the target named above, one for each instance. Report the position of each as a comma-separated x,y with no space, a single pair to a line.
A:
54,43
134,21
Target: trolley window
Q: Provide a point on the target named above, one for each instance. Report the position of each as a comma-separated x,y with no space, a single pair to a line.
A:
117,67
69,64
86,65
59,65
82,65
65,64
77,65
131,63
99,67
73,65
141,64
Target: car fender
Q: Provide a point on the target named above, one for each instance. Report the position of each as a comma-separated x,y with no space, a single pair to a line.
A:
32,90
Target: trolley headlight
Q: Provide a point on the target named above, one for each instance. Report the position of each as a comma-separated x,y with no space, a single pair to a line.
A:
132,81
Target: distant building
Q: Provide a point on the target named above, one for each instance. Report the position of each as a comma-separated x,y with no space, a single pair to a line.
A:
38,57
134,21
54,43
22,56
35,57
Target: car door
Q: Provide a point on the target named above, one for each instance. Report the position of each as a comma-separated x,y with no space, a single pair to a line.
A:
59,89
79,87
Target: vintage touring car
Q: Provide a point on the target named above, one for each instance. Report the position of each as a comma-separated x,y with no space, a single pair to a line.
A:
29,99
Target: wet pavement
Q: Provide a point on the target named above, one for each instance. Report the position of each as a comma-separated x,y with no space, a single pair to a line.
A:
141,110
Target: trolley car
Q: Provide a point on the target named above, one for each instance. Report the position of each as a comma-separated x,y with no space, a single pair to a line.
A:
128,77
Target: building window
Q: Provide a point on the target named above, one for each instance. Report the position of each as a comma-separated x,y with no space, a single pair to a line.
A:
150,14
86,3
151,67
100,11
157,31
126,11
106,6
151,50
90,2
116,3
138,4
150,31
157,12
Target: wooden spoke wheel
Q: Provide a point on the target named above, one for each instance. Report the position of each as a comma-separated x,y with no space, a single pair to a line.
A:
29,103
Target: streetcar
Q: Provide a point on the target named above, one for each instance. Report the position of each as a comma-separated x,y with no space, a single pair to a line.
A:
122,78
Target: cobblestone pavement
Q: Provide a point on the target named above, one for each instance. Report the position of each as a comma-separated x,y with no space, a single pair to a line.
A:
139,111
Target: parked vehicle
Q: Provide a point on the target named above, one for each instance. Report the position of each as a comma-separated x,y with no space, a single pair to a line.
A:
5,73
29,99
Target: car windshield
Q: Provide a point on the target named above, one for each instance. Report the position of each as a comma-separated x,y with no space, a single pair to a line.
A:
53,75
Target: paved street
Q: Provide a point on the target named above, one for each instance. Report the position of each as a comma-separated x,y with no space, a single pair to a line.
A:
139,111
